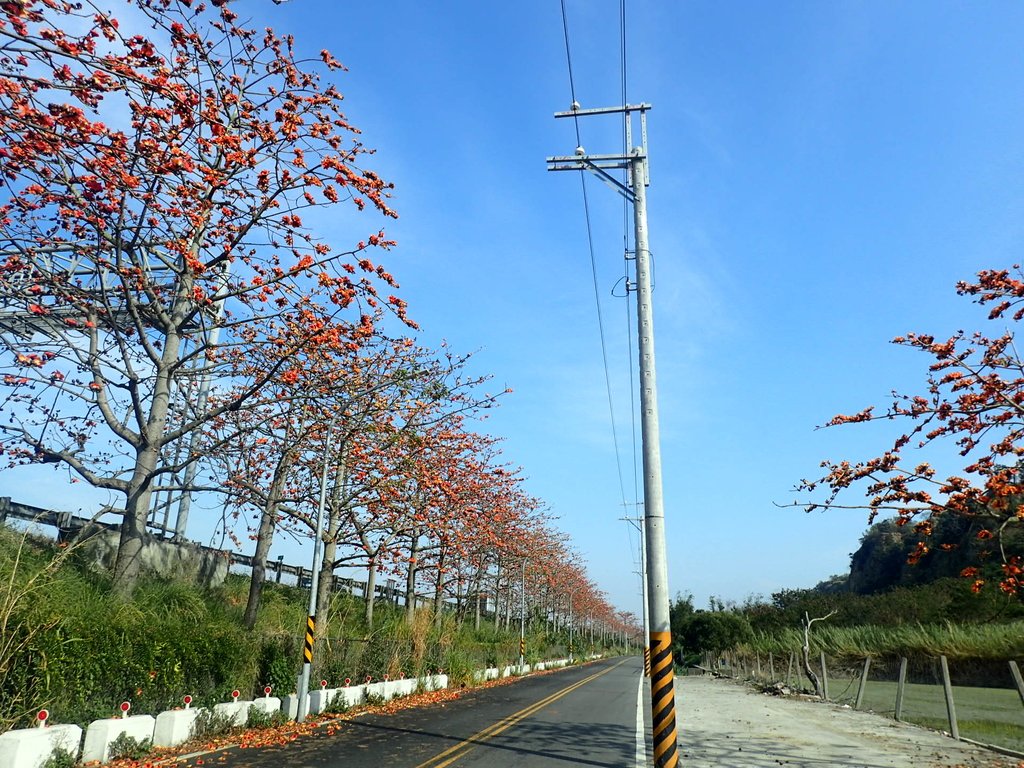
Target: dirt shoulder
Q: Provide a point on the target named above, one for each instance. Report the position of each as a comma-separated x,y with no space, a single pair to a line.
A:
723,723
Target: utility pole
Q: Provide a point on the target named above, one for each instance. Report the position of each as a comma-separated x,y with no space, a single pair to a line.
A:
302,686
522,622
666,750
570,628
635,522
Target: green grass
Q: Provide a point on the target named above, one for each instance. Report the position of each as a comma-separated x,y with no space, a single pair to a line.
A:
955,641
81,651
989,715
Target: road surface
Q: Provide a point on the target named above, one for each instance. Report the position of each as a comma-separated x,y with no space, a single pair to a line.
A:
598,715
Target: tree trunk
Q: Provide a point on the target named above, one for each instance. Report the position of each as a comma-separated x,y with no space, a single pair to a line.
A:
410,579
264,540
460,601
128,564
439,587
371,592
508,605
479,585
806,653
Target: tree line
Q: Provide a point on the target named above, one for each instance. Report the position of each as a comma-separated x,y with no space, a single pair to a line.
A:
172,325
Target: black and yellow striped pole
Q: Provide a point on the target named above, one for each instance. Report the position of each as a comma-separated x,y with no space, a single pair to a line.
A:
647,661
307,647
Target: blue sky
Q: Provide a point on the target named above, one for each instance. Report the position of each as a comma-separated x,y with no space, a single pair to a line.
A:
821,176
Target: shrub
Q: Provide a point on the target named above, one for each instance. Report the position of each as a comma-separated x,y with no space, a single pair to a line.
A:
260,718
129,748
60,758
338,705
209,725
279,658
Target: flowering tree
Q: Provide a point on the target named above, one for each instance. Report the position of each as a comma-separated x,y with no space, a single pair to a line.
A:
973,404
156,179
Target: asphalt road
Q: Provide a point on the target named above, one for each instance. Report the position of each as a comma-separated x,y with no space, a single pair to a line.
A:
583,716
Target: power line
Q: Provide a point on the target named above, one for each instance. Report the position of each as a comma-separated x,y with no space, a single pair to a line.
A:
572,84
593,262
626,231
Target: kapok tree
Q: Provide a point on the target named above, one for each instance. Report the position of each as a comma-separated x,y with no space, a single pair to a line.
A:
973,405
419,394
156,180
259,451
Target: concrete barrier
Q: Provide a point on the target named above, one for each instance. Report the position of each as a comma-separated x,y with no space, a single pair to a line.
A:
268,704
353,695
377,689
101,734
429,682
237,712
290,705
174,727
482,675
32,747
320,699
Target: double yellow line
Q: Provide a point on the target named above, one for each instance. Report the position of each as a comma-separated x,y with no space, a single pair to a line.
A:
452,754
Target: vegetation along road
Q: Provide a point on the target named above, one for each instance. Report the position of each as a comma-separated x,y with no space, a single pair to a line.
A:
591,716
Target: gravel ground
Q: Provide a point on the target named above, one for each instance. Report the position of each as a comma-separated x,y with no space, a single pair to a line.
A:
723,723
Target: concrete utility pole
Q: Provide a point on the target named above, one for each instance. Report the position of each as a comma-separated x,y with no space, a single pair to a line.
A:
666,751
302,686
635,522
522,622
570,628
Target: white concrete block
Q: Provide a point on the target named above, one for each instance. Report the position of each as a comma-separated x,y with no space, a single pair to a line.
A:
320,698
268,704
428,682
32,747
407,687
236,711
290,705
101,733
440,681
377,689
540,666
353,695
491,673
174,727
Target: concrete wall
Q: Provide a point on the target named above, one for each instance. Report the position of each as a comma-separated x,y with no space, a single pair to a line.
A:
164,558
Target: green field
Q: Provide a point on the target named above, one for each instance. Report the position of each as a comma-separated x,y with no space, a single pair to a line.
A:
989,715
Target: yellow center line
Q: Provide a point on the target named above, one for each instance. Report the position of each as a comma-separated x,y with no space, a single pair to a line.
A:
452,754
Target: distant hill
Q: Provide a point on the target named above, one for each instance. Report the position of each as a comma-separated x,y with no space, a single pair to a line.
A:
886,557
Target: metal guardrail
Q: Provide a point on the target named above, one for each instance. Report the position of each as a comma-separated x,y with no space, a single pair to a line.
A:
70,522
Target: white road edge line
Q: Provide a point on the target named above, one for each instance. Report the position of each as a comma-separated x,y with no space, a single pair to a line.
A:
641,742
